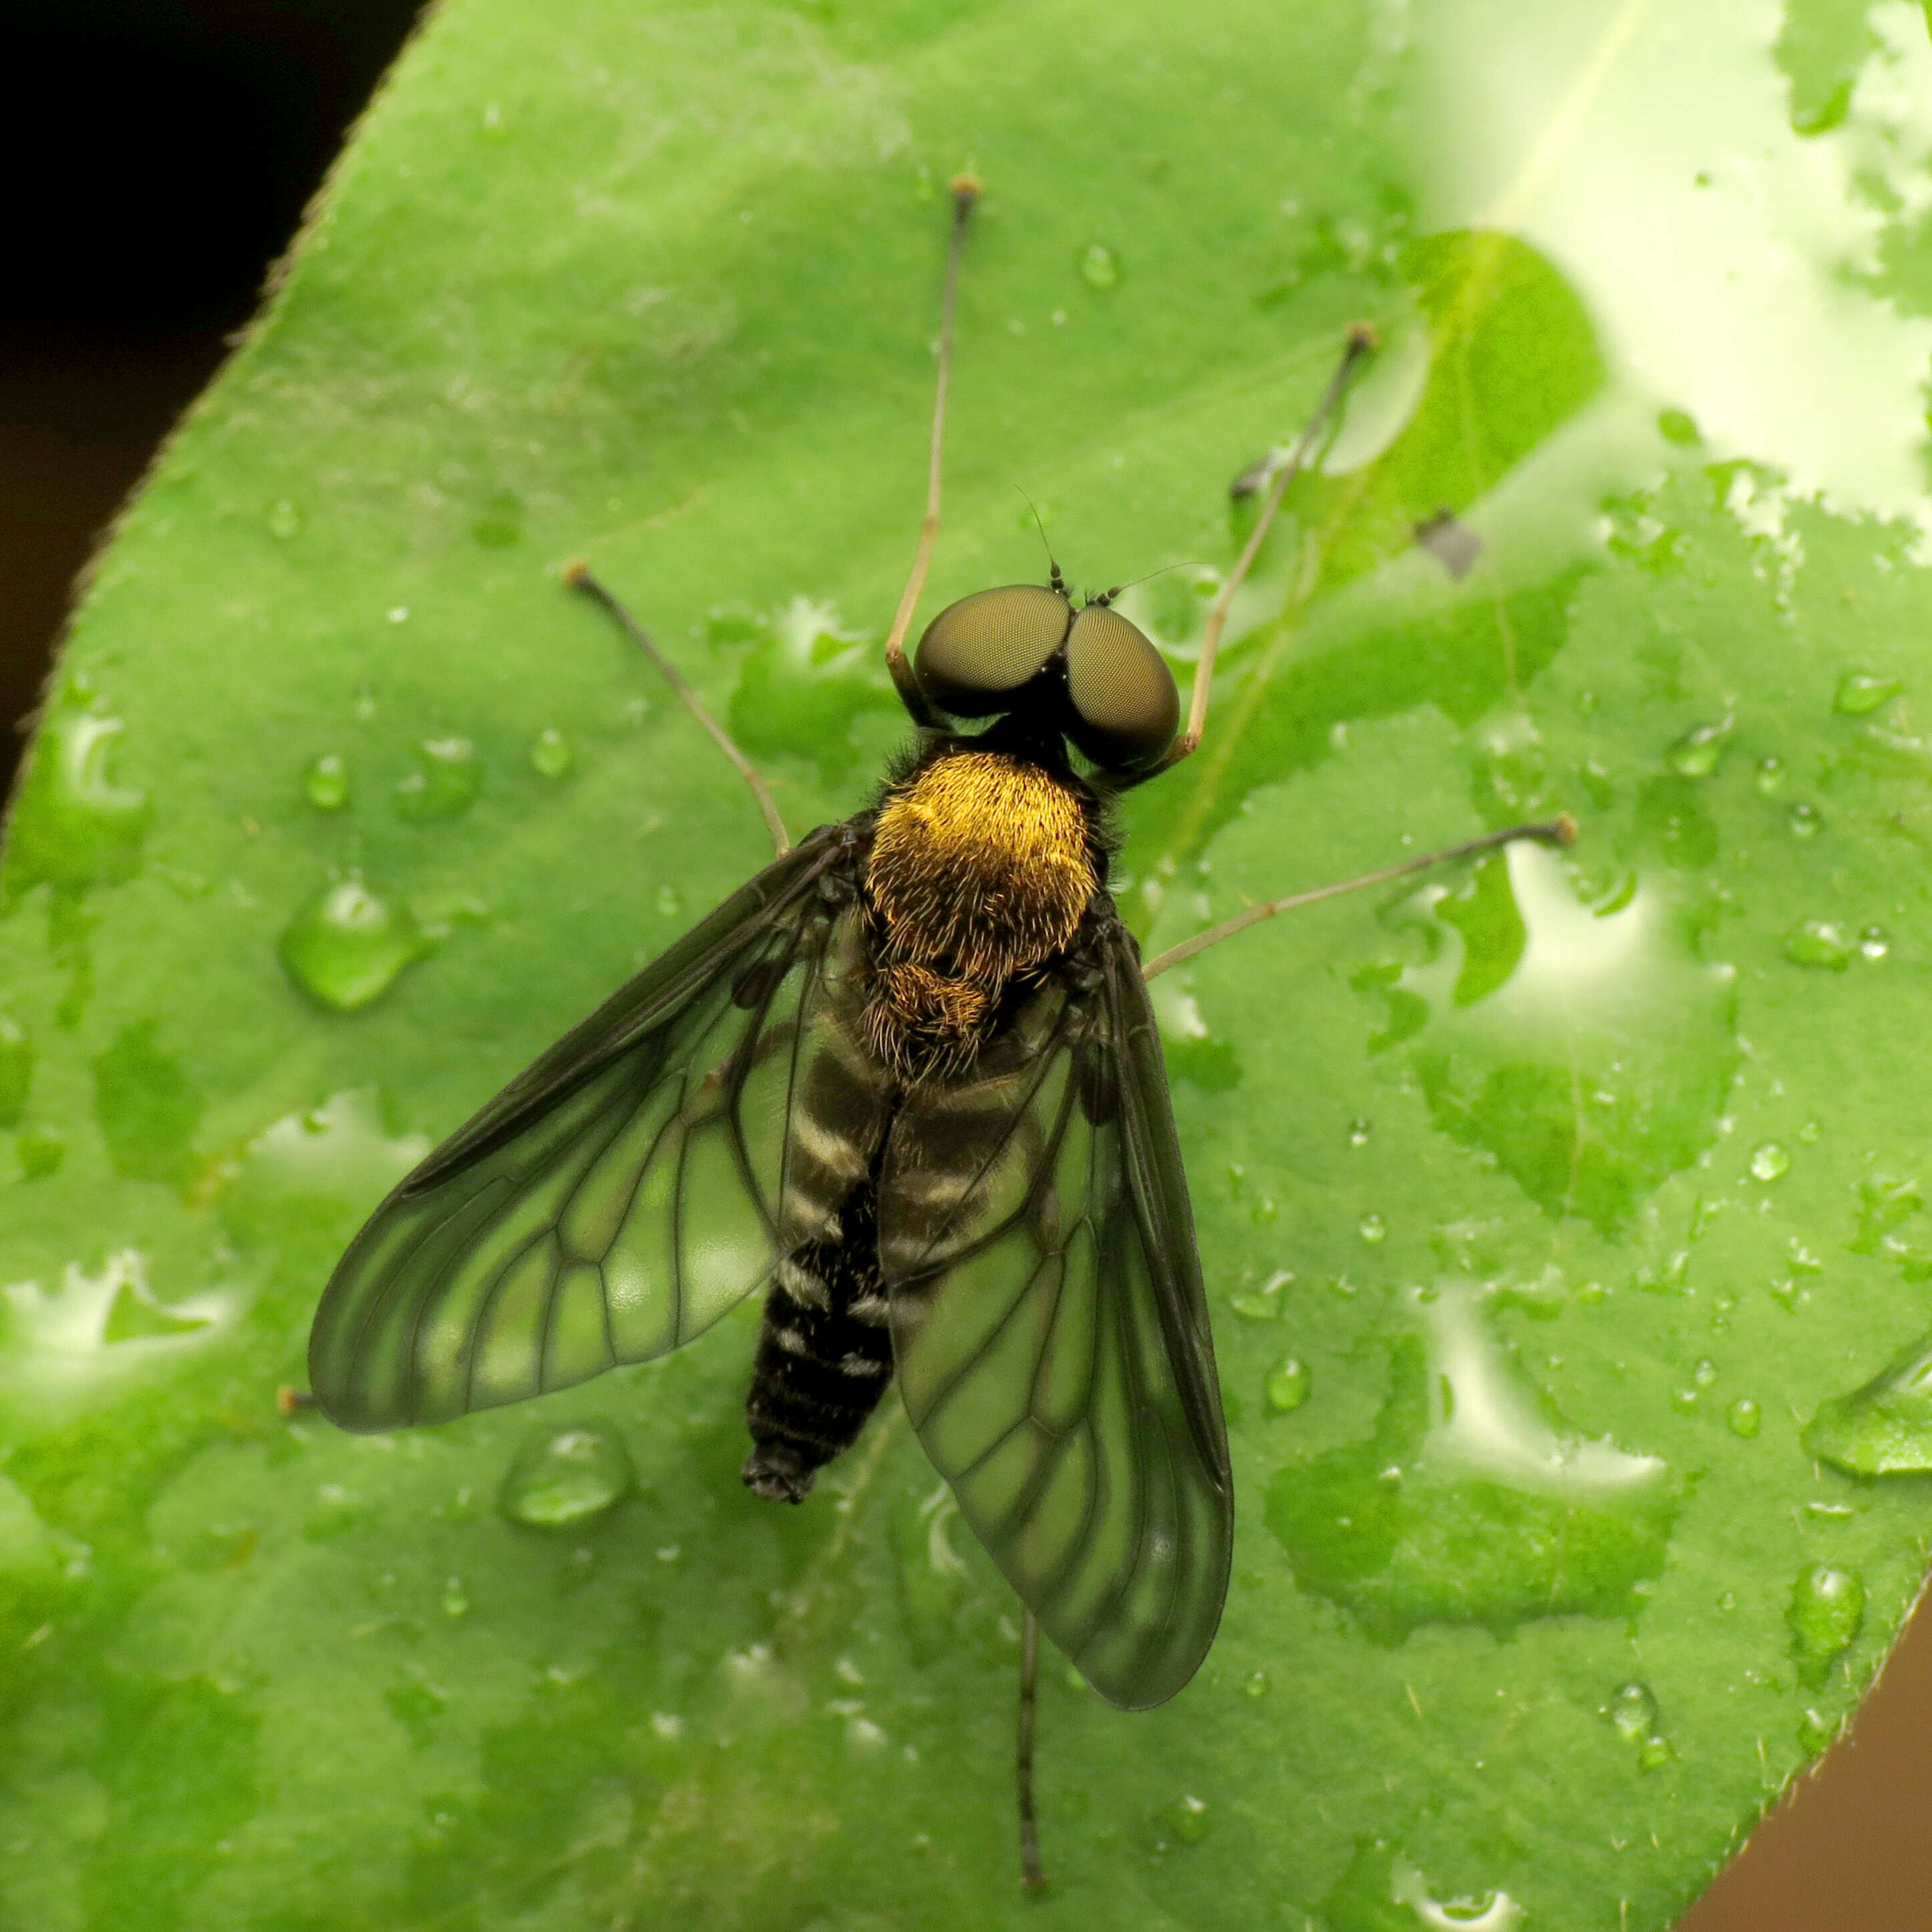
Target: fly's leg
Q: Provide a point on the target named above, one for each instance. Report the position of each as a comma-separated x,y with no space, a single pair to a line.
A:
1032,1875
1361,339
577,574
1561,830
966,191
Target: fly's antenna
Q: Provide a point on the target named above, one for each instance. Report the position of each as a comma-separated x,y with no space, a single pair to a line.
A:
1561,830
1362,338
1107,597
966,190
1054,578
1033,1874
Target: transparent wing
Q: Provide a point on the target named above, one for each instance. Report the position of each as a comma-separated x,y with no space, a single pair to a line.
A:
1051,1332
620,1194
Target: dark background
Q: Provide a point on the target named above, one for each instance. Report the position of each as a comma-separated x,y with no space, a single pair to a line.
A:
158,157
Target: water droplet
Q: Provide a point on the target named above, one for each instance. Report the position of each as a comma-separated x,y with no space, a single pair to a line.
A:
346,946
1771,775
1884,1428
1501,1515
1874,943
1254,1684
1815,1731
1264,1211
448,777
551,754
1533,994
72,825
1770,1161
1803,821
1827,1609
1373,1229
1817,942
1358,1133
1382,1891
1287,1385
16,1070
284,519
1099,266
1633,1710
326,782
1697,754
1704,1374
1263,1303
1190,1819
397,614
670,901
562,1478
455,1598
1728,1600
1860,692
1743,1417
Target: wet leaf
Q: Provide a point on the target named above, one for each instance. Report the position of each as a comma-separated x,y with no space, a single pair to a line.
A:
1556,1217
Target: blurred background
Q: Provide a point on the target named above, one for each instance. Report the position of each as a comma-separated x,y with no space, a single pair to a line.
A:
161,152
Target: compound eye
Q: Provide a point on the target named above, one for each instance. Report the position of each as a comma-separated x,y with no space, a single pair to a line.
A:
977,653
1125,706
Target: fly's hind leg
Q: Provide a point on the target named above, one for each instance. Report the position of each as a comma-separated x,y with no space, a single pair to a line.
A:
577,574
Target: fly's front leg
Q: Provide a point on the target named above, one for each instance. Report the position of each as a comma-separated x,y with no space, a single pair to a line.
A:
965,192
577,574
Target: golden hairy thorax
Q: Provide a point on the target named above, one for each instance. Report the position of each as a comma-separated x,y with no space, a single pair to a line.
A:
979,869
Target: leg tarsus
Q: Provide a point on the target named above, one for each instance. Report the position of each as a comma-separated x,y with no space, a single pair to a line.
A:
1033,1874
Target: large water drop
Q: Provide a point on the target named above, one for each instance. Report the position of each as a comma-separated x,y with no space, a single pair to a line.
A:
346,946
1827,1611
1883,1428
564,1477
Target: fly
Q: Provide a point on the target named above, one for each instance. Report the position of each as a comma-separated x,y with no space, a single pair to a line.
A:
906,1085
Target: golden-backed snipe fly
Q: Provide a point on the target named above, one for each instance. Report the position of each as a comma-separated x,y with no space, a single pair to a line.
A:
907,1085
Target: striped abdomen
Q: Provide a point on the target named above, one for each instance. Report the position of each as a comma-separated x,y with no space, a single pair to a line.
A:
825,1354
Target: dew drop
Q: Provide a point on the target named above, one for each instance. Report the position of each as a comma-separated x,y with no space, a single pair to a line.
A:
1728,1600
670,901
346,946
73,826
455,1598
1861,691
1771,775
1263,1303
1697,755
1828,1608
1743,1417
563,1478
1255,1684
284,519
1358,1133
1704,1374
1883,1429
551,753
1770,1161
1191,1821
1264,1211
1803,821
1817,942
1099,266
1373,1229
448,777
1633,1710
1874,943
325,782
1287,1385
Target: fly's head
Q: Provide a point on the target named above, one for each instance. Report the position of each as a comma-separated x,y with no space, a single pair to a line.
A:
1023,653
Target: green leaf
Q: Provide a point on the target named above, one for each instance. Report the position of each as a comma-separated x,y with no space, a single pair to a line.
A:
1564,1221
